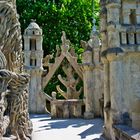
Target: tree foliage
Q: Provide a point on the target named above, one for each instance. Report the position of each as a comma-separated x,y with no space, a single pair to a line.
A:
54,16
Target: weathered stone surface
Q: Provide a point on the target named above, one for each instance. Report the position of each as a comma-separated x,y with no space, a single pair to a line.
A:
66,108
65,57
121,65
33,55
92,76
14,118
10,35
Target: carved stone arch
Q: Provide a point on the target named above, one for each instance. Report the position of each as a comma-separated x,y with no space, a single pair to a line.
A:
66,53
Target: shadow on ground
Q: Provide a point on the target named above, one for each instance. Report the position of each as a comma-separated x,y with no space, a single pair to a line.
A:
85,127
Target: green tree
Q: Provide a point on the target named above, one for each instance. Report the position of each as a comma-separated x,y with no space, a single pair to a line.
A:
54,16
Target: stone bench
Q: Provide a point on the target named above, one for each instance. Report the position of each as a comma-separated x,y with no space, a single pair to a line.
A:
124,132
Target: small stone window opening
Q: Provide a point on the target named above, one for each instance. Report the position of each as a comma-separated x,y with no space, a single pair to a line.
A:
33,32
32,44
120,35
32,62
133,19
35,62
127,38
135,38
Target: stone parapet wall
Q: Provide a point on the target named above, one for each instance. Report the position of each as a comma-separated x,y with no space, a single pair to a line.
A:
66,108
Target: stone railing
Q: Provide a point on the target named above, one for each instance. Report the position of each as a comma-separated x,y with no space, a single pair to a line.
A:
71,108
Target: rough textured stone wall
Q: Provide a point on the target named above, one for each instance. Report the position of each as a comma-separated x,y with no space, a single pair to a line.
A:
14,117
10,35
120,55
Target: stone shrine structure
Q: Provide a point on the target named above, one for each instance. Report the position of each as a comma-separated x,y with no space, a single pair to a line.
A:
120,34
71,106
14,118
33,55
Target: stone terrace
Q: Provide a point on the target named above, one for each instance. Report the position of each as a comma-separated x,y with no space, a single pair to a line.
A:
62,129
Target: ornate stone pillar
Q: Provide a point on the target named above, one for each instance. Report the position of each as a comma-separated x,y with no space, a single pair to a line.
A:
113,19
107,100
103,25
88,84
33,55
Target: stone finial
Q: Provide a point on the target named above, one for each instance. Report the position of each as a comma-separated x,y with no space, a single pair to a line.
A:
33,29
65,42
86,46
54,95
47,59
94,41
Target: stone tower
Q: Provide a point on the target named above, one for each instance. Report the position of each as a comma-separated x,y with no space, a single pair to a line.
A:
33,55
120,34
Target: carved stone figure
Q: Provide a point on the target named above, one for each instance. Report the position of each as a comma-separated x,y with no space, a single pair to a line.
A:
14,117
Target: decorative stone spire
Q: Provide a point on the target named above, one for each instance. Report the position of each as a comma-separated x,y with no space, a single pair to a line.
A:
94,20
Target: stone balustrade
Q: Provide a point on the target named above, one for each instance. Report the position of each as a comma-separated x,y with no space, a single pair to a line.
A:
130,35
66,108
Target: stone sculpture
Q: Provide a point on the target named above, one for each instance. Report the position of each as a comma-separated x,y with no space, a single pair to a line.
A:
10,35
14,117
65,52
65,57
70,83
14,105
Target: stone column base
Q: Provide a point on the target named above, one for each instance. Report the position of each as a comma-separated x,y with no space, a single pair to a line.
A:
88,115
